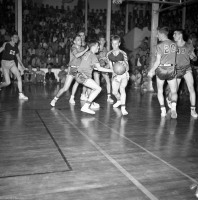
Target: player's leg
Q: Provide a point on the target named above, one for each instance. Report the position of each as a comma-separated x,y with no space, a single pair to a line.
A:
173,84
160,96
74,89
65,87
95,90
190,84
17,74
123,85
108,83
115,91
6,74
84,95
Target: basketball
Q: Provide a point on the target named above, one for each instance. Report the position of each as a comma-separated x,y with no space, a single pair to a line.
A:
119,68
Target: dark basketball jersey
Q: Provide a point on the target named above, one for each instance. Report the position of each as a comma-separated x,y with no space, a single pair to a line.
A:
10,52
122,56
167,50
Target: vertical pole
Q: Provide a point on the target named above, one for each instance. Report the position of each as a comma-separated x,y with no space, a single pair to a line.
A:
183,17
127,17
16,15
154,25
86,16
108,29
18,22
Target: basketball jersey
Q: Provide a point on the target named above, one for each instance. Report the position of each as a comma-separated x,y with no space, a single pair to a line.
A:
10,52
102,54
115,58
88,61
122,56
74,61
183,54
167,50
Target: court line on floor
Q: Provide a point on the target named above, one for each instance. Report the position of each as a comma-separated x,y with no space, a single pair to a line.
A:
53,139
149,152
114,162
34,174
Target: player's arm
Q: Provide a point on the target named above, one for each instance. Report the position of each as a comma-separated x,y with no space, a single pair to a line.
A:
156,64
193,57
108,61
126,61
19,60
3,47
79,54
99,68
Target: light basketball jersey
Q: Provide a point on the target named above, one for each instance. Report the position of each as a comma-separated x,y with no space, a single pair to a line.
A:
167,50
183,54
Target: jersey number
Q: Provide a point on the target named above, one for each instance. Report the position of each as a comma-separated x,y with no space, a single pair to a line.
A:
169,48
12,52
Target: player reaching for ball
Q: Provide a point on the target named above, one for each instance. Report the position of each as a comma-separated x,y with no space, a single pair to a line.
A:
119,63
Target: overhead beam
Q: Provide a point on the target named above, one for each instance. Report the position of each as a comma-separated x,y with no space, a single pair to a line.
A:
168,8
156,1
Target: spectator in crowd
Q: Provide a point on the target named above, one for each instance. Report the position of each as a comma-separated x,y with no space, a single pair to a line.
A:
40,75
136,78
36,62
62,75
49,76
29,75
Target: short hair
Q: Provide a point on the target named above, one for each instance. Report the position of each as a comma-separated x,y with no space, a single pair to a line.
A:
93,43
164,30
101,36
184,35
116,37
13,33
75,36
181,31
81,31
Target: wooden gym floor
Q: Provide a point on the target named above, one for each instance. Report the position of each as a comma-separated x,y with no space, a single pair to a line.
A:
63,154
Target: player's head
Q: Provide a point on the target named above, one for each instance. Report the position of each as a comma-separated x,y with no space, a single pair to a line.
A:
77,40
162,33
115,42
193,38
102,40
14,37
94,46
178,35
82,34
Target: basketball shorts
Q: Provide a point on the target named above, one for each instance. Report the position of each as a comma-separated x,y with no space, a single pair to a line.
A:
72,70
81,77
119,78
104,64
166,72
182,70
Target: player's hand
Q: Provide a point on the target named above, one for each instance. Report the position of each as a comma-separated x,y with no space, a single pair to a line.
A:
3,46
87,48
151,73
192,56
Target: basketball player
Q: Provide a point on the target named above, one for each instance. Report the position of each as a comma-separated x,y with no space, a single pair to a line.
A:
165,58
76,53
10,52
103,63
185,53
84,76
119,82
84,95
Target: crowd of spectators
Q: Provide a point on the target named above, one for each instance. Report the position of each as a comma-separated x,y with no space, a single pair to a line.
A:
48,33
